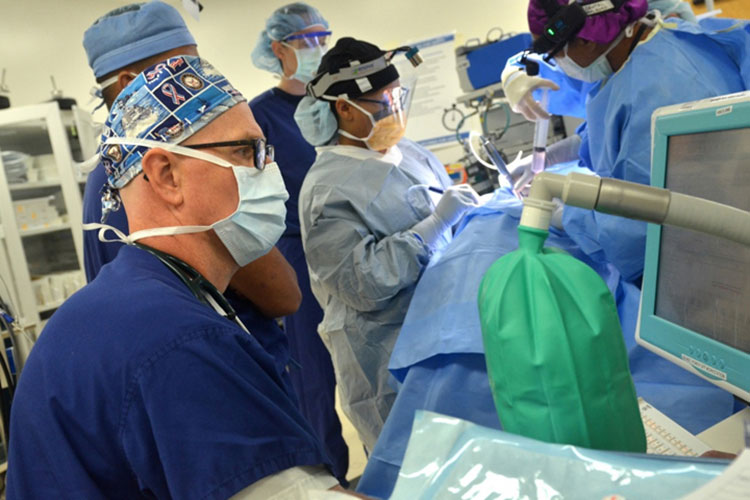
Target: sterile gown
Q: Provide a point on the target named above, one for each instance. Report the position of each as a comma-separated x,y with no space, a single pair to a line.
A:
357,208
439,356
680,62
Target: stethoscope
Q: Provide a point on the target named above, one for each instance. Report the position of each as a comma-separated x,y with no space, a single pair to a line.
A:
200,287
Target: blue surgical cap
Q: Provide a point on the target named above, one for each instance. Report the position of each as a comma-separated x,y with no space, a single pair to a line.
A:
167,102
282,23
667,7
132,33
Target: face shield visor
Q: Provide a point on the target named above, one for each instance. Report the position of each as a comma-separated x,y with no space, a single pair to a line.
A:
308,49
388,114
308,40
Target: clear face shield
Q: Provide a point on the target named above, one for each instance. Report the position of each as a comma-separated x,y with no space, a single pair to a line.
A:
389,117
308,49
308,40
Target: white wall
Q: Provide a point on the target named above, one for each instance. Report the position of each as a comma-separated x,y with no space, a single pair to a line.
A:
39,38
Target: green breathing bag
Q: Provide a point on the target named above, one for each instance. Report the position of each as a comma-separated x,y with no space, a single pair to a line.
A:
556,356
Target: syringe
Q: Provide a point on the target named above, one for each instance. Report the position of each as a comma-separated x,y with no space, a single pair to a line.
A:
539,155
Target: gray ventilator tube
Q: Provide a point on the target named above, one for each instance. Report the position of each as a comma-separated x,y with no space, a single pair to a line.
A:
634,201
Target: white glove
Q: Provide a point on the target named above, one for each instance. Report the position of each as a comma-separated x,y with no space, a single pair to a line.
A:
456,200
518,88
560,152
521,174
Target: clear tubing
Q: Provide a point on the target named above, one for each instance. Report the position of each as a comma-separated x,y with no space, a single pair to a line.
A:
539,154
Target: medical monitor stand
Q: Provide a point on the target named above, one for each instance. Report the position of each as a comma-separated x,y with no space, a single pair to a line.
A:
695,303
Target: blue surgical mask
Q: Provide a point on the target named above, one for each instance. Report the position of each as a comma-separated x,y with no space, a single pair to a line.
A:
308,60
597,70
250,231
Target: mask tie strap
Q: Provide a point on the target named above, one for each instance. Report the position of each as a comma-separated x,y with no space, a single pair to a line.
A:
103,228
167,231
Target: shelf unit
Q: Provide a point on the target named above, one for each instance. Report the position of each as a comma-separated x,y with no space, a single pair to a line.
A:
55,139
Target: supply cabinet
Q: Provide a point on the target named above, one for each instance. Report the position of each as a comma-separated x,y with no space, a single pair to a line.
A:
40,211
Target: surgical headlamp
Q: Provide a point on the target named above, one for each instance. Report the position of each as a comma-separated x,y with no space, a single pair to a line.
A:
565,21
367,76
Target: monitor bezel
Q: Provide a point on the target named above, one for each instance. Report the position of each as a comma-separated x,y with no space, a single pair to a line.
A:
718,363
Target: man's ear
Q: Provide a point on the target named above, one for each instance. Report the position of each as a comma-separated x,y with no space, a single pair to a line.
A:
124,77
163,175
344,110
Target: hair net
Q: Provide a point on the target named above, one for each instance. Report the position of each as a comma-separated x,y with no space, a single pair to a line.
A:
316,120
283,22
168,102
132,33
667,7
601,28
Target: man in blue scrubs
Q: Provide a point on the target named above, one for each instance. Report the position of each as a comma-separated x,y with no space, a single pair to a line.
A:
119,45
143,384
291,46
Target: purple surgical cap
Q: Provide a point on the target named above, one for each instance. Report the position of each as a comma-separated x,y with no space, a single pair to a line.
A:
601,28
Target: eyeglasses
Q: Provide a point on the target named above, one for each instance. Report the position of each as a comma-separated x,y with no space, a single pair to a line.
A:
261,152
394,100
313,39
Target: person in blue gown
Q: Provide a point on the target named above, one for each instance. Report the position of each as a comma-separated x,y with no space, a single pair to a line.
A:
637,64
291,46
369,219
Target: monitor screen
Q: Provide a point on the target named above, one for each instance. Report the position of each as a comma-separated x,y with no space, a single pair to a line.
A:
703,282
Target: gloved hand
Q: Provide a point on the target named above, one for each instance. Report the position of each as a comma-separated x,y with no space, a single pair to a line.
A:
520,172
518,88
559,152
456,200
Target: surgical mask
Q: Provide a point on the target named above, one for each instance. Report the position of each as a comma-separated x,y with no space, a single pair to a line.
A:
594,72
250,231
385,133
308,60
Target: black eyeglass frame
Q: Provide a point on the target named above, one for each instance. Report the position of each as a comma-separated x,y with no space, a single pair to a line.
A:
260,148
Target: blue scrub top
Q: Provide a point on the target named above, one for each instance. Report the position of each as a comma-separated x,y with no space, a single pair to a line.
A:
97,253
135,388
274,111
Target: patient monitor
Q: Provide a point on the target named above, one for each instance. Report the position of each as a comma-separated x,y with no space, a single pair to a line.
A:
695,306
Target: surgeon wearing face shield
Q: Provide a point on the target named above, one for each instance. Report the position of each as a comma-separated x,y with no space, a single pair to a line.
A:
291,46
369,220
614,67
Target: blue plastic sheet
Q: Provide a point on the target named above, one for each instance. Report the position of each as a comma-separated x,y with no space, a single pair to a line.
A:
450,458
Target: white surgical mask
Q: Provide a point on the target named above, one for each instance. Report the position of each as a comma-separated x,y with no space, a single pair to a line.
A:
250,231
308,60
597,70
